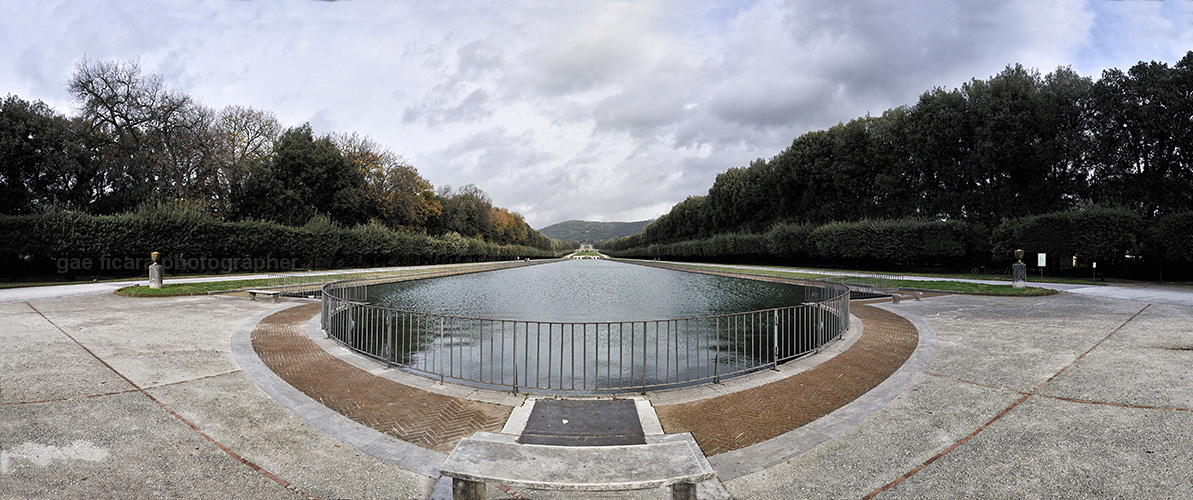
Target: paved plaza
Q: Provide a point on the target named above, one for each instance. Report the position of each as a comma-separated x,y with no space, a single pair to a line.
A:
1076,395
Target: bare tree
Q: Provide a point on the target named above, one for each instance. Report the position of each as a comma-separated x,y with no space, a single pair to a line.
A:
240,136
153,137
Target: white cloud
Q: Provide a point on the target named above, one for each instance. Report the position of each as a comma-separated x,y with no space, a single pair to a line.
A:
606,110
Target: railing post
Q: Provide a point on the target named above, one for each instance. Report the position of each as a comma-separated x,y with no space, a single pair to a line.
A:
716,365
775,345
440,353
515,354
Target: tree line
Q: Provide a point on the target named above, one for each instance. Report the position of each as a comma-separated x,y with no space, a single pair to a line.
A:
989,154
135,141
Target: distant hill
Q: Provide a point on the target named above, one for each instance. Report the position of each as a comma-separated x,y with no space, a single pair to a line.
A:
586,231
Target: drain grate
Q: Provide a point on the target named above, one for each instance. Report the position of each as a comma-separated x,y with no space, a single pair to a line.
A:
564,422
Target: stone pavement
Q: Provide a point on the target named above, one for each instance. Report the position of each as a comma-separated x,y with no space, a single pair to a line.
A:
1052,397
113,397
1067,396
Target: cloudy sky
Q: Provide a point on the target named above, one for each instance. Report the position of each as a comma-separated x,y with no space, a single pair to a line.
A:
598,110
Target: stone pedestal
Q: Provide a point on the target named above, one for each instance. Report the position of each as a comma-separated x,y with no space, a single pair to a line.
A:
155,276
1019,275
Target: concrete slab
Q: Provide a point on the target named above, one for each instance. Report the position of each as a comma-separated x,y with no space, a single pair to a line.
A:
647,417
156,341
498,459
40,363
1057,449
1149,362
1015,343
518,418
1152,293
919,423
121,446
232,410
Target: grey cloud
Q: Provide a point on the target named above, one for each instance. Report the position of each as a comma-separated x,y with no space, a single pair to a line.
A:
656,101
493,152
432,111
479,57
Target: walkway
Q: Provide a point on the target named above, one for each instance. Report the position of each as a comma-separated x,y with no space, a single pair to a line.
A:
426,419
1156,293
1067,396
743,418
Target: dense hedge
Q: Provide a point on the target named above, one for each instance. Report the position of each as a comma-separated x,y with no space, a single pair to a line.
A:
1173,237
897,241
1094,234
1105,235
863,243
81,244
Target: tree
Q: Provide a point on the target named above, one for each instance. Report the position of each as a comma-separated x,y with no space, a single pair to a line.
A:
468,212
306,176
43,159
395,191
1144,135
153,138
244,137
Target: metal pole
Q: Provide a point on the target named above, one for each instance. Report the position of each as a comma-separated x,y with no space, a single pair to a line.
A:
775,344
716,362
440,349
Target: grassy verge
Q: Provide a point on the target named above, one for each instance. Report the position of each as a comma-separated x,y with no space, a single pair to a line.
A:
942,285
969,276
977,288
25,284
176,289
169,289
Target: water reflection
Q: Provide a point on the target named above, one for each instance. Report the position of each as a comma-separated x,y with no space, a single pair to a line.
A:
582,325
585,291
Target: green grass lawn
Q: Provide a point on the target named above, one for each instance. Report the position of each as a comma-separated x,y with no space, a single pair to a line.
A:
942,285
176,289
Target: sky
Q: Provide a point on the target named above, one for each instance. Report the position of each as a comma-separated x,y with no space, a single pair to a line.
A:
592,110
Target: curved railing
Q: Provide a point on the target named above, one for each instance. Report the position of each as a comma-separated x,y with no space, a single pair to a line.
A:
591,357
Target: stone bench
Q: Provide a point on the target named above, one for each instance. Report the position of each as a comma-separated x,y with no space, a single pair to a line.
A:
669,460
272,294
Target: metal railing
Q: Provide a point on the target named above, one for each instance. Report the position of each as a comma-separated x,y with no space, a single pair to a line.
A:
589,357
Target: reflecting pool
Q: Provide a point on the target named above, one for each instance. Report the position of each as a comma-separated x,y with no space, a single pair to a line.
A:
585,325
585,291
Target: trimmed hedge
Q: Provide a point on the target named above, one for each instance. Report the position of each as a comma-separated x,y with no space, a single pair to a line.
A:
896,242
1104,235
1093,234
190,242
1173,237
892,241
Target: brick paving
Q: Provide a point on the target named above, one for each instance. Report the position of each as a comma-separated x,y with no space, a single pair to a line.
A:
433,421
724,423
740,419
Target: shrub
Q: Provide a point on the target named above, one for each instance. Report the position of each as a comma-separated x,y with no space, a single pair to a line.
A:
1092,234
36,241
1173,237
906,241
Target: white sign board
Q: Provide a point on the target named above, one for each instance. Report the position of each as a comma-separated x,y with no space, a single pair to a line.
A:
1041,259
